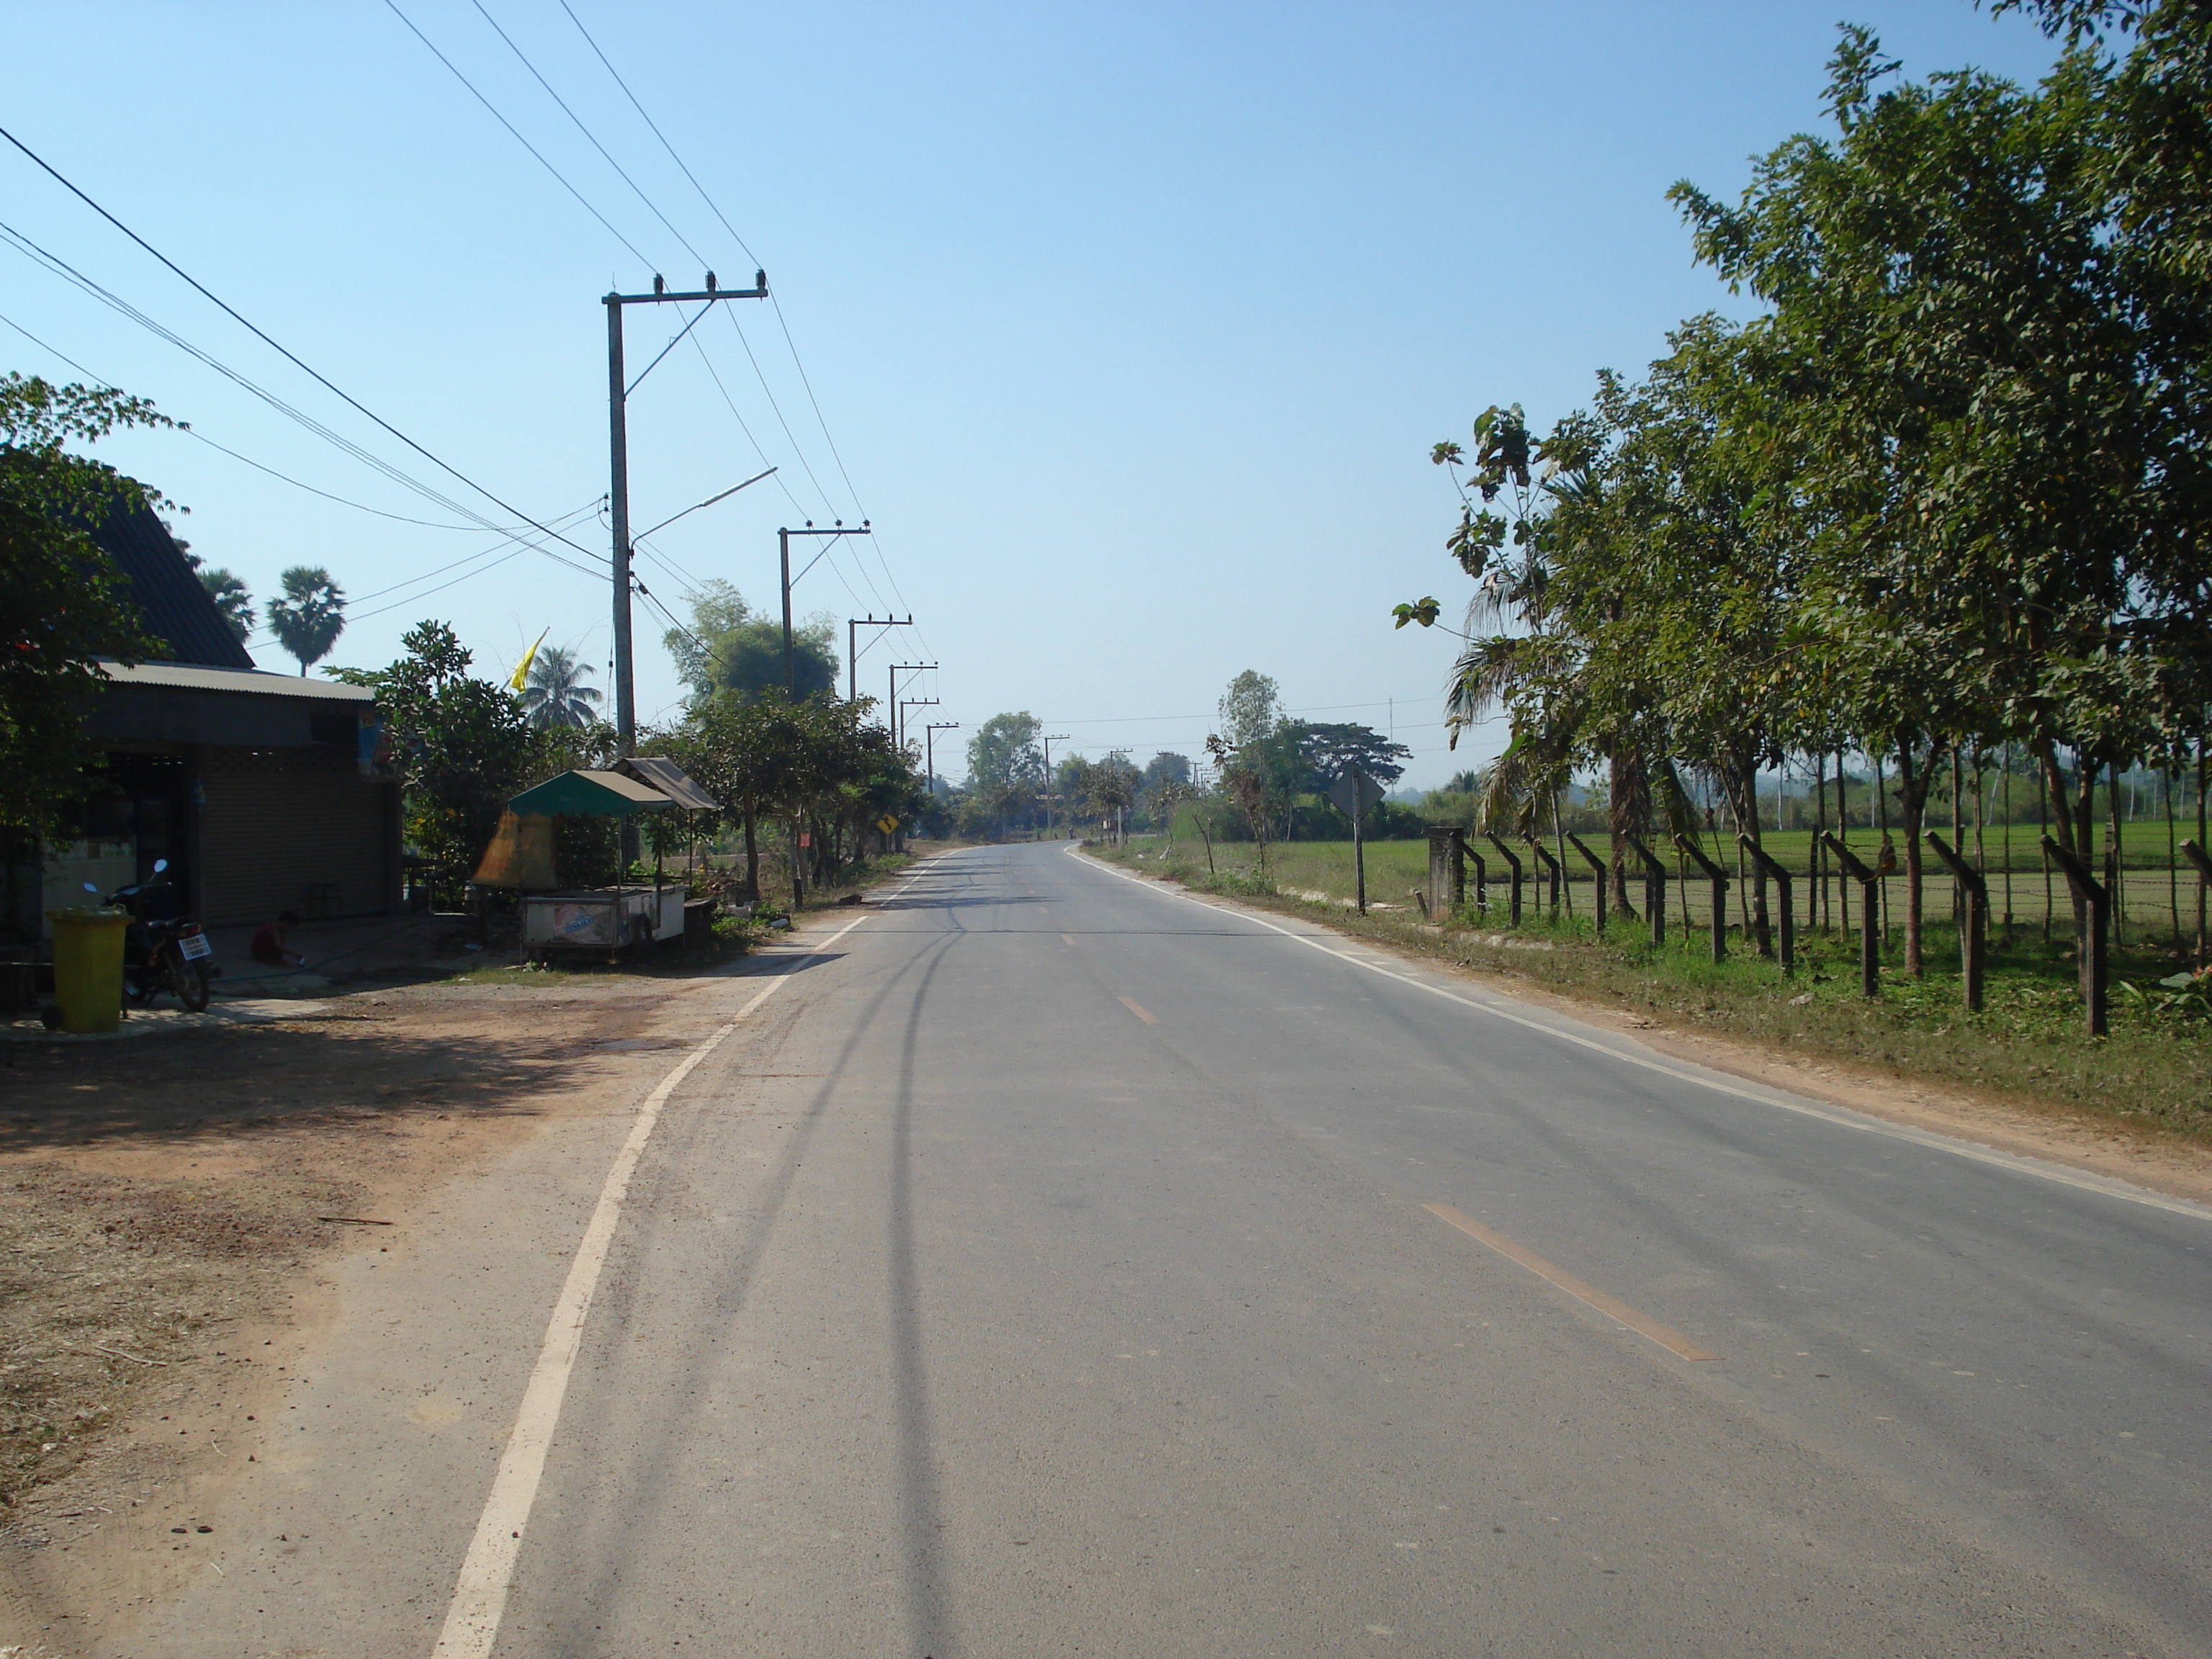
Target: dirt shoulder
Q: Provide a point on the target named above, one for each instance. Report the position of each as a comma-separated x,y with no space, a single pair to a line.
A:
2173,1164
172,1204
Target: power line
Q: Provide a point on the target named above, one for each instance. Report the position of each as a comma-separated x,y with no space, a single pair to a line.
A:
586,131
782,322
258,466
494,554
657,133
805,465
61,267
352,616
715,375
519,138
296,361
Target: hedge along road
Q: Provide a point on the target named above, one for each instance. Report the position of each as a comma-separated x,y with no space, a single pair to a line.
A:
1075,1266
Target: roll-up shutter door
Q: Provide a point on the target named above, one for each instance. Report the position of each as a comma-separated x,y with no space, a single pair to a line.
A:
292,830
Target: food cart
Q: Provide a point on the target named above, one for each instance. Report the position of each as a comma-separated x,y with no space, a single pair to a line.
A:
602,919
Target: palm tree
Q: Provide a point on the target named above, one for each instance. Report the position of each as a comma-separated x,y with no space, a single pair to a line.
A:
556,695
311,616
231,598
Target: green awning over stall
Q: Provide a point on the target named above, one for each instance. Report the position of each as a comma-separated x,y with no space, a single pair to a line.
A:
588,795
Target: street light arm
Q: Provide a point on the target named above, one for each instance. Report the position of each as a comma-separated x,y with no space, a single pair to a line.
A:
695,505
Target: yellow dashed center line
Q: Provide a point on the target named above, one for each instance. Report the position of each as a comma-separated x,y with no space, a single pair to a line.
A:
1612,1307
1132,1007
1065,940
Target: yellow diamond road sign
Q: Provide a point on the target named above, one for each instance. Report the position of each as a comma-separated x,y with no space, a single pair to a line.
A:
887,824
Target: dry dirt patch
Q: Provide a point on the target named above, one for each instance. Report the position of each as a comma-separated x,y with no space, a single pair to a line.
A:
163,1205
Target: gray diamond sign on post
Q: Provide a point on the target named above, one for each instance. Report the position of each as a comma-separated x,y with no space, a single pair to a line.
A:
1355,795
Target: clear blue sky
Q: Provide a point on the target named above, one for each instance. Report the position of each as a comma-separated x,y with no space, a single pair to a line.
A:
1133,324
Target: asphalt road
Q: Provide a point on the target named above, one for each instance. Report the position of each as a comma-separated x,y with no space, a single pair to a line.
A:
1051,1270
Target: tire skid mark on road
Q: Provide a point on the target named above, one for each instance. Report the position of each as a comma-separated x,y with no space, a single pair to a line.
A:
472,1619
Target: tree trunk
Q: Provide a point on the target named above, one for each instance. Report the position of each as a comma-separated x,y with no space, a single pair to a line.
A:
1912,788
1628,812
752,857
1743,788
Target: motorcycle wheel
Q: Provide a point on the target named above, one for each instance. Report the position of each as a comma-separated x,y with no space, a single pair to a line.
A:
191,989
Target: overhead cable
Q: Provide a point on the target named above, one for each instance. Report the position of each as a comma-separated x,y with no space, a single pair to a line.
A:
62,268
192,432
519,138
289,356
587,133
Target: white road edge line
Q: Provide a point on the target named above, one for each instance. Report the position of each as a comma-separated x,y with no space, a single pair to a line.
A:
2019,1165
472,1621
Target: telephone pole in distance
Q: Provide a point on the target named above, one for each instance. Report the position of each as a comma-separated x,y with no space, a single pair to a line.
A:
1057,737
905,704
929,743
783,548
853,625
891,702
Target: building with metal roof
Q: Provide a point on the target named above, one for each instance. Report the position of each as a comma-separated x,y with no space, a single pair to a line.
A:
264,791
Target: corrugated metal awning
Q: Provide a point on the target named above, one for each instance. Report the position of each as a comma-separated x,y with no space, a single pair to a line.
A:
252,682
589,794
656,772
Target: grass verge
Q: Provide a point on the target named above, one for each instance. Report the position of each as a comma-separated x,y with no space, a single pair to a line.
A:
2154,1071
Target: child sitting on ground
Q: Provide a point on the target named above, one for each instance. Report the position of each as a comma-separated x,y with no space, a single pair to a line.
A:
270,944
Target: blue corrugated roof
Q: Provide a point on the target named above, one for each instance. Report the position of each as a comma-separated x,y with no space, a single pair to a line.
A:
179,612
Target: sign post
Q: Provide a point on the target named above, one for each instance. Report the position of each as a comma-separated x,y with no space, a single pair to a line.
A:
1354,794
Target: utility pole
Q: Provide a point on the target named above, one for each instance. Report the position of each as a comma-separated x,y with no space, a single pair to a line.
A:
853,625
783,548
891,702
905,704
929,741
1057,737
618,392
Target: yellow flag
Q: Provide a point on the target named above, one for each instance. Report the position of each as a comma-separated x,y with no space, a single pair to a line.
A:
522,669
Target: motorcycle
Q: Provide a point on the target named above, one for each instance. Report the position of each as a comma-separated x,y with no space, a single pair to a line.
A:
161,954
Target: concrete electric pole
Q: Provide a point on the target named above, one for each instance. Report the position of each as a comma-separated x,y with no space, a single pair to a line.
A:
853,625
1057,737
618,390
783,548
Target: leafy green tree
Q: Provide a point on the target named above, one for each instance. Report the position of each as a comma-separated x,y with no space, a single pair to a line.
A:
464,745
310,616
1166,767
63,605
1251,708
1968,427
231,598
1331,751
732,647
556,694
1005,768
822,762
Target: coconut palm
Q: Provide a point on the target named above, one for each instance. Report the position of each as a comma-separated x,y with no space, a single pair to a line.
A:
556,695
311,616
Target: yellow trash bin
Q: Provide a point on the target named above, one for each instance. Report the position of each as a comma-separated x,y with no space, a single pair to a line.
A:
88,968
